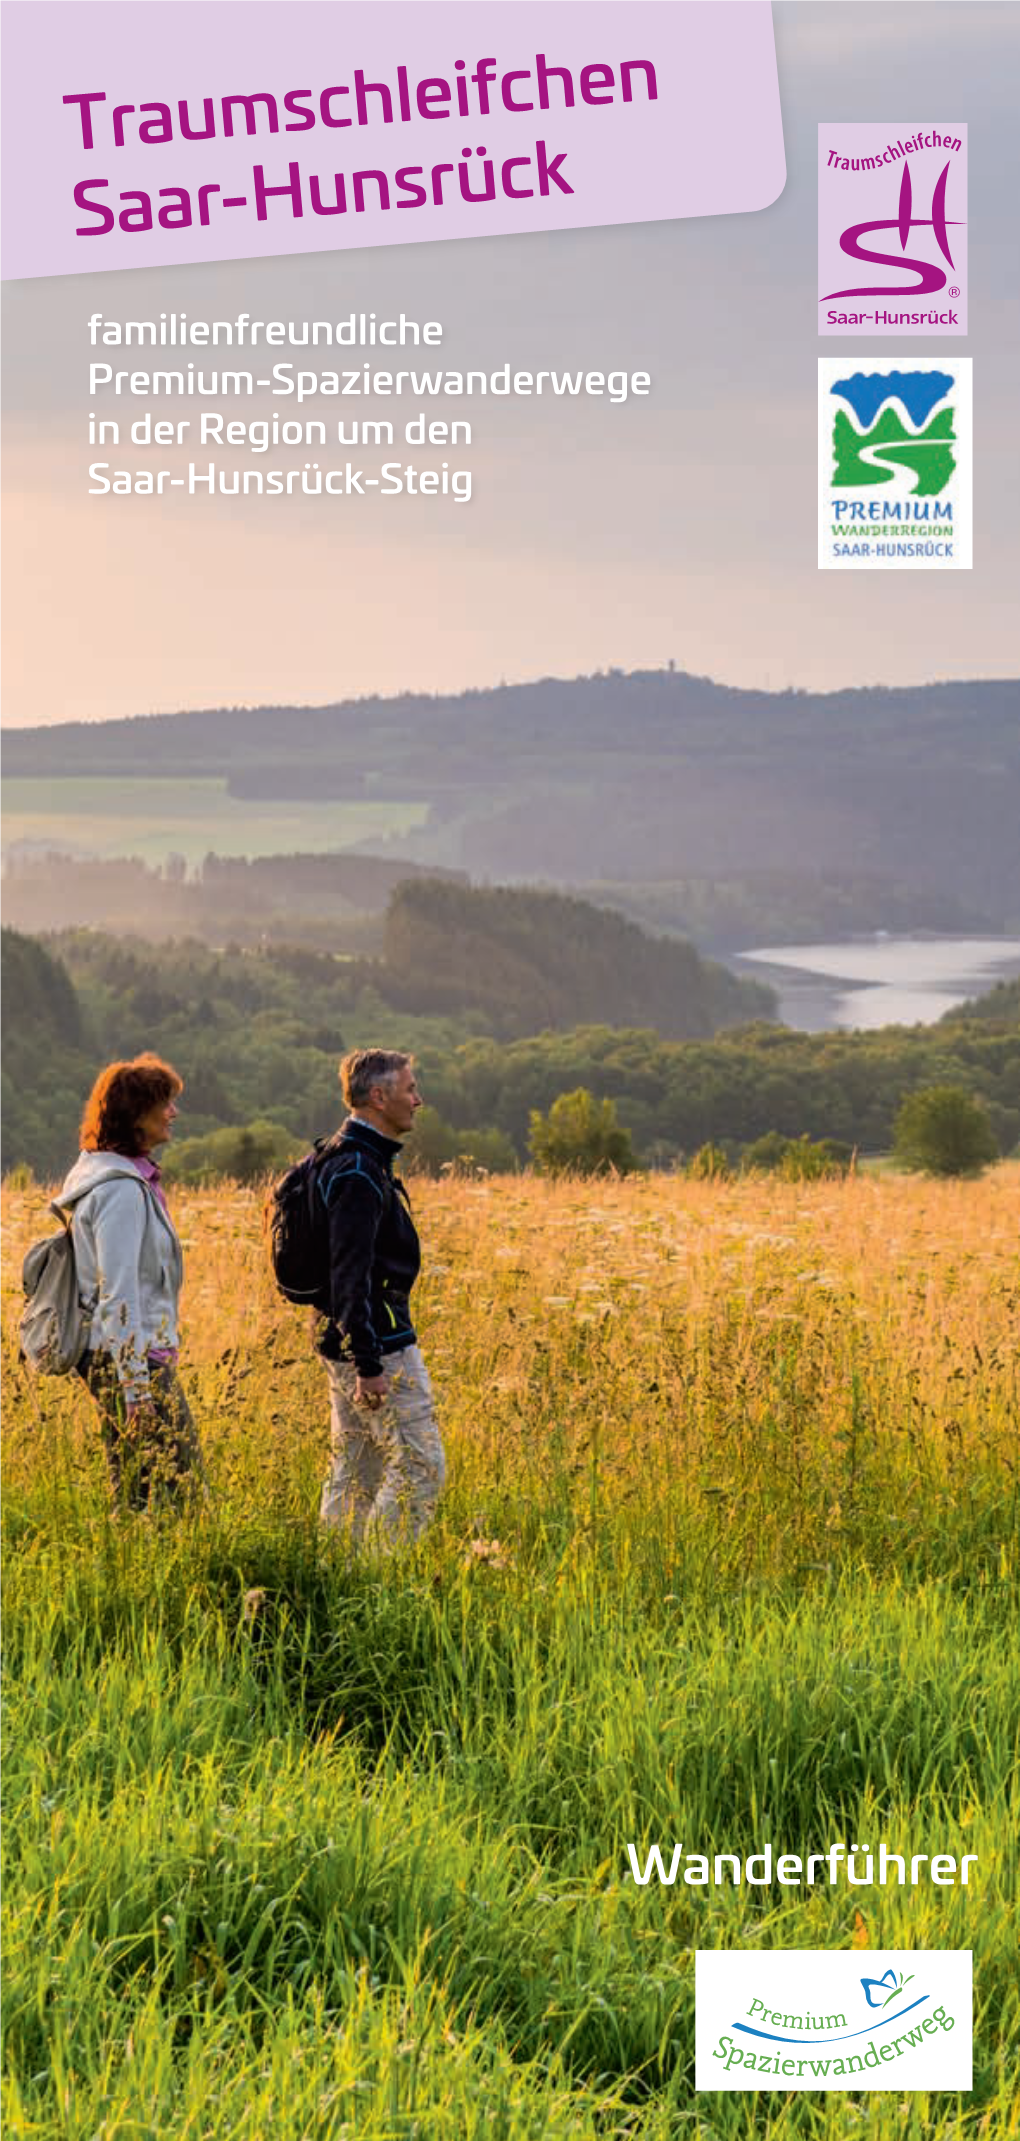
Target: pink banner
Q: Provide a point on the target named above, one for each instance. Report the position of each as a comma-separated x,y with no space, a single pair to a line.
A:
160,134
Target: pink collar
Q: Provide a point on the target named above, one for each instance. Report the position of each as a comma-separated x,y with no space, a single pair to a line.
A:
148,1168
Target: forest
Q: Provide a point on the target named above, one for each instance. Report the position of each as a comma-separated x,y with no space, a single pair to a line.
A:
257,1033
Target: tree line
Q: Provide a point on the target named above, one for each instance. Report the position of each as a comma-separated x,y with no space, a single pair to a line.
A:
617,777
334,900
257,1035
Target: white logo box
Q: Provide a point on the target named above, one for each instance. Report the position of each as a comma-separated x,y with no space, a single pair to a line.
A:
877,515
822,2018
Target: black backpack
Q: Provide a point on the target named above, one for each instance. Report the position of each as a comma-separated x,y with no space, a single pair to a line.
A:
296,1226
297,1230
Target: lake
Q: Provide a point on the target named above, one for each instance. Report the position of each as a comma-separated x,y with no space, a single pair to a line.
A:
879,980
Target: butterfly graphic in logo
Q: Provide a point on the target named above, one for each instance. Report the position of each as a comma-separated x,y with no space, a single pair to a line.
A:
879,1991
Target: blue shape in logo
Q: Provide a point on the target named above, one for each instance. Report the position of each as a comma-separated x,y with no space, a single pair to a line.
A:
918,391
877,1989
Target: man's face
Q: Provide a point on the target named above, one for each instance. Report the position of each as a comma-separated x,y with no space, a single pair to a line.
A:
397,1102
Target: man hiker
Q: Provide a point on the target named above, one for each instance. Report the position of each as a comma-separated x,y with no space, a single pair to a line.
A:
387,1466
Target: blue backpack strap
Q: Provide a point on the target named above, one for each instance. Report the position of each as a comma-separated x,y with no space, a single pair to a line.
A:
354,1162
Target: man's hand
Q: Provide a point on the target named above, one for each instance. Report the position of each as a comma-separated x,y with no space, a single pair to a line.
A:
370,1390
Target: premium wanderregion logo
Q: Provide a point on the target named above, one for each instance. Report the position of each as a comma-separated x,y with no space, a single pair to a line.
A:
831,2019
895,464
892,229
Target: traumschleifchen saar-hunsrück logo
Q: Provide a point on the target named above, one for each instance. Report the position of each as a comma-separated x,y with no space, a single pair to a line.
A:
894,464
892,229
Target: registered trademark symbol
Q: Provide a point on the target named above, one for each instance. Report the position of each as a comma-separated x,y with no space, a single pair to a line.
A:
954,290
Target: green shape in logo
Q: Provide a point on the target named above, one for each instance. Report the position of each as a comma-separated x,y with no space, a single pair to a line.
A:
866,457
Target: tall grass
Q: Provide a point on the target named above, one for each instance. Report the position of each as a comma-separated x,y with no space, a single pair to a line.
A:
305,1845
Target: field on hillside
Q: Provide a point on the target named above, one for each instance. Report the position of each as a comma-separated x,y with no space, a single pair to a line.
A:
305,1847
130,815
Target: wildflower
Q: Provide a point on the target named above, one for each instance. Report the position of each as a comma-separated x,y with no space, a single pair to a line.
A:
486,1553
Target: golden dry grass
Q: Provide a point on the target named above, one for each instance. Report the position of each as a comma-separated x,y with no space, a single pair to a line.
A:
726,1555
833,1365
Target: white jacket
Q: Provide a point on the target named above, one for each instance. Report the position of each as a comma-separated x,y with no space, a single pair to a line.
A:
129,1262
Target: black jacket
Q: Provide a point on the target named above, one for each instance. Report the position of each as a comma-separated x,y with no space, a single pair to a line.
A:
374,1252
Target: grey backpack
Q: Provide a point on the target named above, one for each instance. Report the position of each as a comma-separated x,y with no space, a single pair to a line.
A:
54,1327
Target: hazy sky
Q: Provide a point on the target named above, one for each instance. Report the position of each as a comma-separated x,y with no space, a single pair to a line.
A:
682,526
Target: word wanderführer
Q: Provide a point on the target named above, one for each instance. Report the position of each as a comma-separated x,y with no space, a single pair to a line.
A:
793,1872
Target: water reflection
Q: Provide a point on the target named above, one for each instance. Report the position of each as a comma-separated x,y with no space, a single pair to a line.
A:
881,981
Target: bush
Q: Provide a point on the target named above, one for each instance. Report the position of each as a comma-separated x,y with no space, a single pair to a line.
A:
580,1135
434,1145
239,1154
940,1130
797,1159
709,1164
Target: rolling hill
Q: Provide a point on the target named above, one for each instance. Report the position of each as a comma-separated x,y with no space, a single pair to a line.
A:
654,777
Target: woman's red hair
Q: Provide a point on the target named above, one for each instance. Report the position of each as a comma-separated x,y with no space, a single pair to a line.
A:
123,1093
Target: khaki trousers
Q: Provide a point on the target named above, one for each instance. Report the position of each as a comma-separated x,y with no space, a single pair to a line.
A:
153,1454
387,1466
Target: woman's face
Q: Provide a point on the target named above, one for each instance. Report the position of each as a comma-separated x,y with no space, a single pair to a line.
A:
156,1127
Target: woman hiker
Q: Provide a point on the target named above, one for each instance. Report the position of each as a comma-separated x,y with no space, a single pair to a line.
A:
130,1270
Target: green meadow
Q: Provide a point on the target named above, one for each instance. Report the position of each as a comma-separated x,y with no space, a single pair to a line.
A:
191,817
308,1846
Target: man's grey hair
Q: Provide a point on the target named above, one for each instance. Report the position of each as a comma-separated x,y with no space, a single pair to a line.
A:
366,1067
